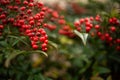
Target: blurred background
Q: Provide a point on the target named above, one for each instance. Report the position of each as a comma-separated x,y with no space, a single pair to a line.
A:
68,58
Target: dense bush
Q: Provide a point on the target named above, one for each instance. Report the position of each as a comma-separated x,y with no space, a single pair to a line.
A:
40,42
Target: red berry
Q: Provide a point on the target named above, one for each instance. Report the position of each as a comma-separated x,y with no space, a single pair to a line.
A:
113,29
79,28
88,29
97,18
40,4
55,14
91,18
110,39
43,32
99,34
118,41
2,16
107,35
33,42
44,49
46,41
1,9
87,24
35,38
35,47
86,19
76,24
118,48
25,2
44,45
42,39
30,18
42,13
40,30
61,21
29,11
97,27
110,20
30,4
81,20
32,22
22,8
102,37
1,26
45,25
46,36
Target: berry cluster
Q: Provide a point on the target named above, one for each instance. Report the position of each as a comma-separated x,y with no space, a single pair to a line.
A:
65,28
108,32
67,31
38,36
87,24
30,18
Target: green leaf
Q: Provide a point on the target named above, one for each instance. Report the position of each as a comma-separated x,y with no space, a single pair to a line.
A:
38,77
18,52
87,64
19,39
83,36
12,56
30,78
53,44
101,70
41,77
1,57
3,43
115,58
15,42
48,79
39,51
114,13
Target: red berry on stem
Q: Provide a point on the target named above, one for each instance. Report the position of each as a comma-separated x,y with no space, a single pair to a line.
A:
35,46
113,29
44,45
25,2
88,29
42,39
97,27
